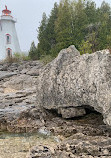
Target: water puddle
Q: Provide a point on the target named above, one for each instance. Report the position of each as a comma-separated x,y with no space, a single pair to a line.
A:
18,145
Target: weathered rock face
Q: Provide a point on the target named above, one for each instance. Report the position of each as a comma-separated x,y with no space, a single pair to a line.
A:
4,74
75,81
18,96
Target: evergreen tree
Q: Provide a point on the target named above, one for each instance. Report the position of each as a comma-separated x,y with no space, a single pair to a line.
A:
33,54
91,12
76,22
46,32
51,34
105,25
109,41
43,44
80,22
63,26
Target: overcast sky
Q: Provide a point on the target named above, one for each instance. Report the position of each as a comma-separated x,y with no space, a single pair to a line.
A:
28,14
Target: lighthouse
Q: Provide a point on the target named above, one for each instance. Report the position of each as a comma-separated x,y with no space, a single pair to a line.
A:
9,43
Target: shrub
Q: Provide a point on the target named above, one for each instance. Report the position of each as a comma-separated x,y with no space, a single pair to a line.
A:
46,59
17,57
85,47
21,56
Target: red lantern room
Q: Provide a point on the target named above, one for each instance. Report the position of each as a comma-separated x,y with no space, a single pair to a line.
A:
6,11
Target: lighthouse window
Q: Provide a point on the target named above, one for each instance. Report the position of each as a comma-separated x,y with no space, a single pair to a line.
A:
8,39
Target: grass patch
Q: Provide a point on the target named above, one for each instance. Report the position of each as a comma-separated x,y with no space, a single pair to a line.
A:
17,57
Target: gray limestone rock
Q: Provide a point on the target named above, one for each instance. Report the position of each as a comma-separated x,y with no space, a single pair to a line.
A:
18,95
4,74
19,82
71,112
73,80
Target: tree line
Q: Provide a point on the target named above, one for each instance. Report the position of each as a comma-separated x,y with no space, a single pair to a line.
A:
73,22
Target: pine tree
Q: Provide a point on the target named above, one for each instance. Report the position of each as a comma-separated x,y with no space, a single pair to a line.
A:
63,26
91,12
76,22
46,32
105,25
43,44
80,22
51,34
33,54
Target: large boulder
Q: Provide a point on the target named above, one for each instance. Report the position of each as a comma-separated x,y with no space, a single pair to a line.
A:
74,82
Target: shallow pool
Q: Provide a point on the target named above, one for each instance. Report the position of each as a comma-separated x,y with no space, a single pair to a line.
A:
18,145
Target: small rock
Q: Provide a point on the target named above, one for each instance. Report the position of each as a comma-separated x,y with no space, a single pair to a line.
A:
40,152
44,131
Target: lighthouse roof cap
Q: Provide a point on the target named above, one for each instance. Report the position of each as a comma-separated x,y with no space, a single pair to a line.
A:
6,11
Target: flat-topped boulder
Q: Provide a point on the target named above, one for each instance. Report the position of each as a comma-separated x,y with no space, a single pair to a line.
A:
72,83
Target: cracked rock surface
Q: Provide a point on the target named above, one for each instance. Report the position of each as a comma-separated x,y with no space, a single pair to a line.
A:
17,92
66,100
73,82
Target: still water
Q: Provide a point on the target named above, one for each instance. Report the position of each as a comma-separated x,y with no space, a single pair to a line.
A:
18,145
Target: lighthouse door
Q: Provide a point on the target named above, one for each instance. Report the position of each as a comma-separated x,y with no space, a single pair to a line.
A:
9,53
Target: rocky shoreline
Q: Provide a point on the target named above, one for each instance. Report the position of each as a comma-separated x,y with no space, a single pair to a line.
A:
83,136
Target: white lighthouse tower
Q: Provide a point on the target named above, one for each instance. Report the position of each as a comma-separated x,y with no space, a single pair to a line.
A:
9,43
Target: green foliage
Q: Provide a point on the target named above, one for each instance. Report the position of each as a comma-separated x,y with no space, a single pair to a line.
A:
20,56
46,59
17,57
63,25
43,46
51,34
93,40
91,12
74,22
109,40
85,47
33,53
25,57
46,32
